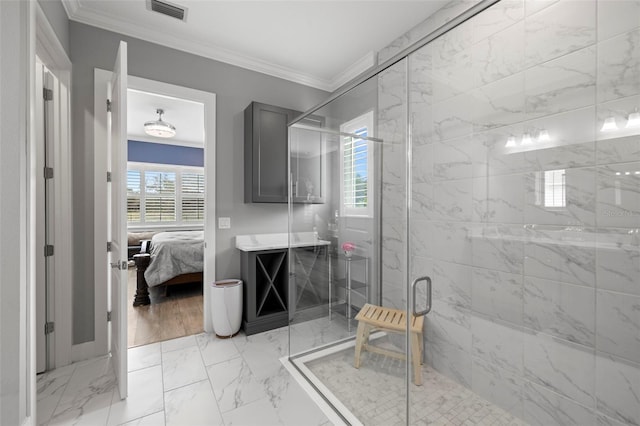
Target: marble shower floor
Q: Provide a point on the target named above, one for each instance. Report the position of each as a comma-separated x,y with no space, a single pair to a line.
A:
194,380
375,393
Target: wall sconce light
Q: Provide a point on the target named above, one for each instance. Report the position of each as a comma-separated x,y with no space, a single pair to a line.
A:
511,142
609,125
633,119
526,140
543,136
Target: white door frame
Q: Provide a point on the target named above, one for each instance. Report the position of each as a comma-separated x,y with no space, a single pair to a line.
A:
17,103
52,55
99,345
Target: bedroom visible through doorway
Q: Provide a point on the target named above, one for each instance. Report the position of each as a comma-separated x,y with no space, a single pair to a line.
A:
165,218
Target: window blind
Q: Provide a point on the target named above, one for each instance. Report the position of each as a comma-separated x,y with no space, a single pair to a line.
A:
355,167
168,196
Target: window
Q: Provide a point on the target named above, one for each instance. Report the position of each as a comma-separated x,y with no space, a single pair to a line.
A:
554,188
357,167
550,189
164,194
192,197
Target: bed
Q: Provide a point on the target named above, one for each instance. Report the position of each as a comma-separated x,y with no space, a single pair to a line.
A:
170,258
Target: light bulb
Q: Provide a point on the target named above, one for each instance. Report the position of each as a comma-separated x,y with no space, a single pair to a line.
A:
609,125
633,120
543,136
511,142
526,139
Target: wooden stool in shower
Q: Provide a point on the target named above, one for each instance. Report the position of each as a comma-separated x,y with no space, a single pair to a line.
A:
373,317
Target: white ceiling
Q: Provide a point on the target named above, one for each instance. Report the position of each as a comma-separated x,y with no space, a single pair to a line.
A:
320,43
186,116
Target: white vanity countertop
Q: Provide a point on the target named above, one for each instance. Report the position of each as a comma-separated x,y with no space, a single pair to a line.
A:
258,242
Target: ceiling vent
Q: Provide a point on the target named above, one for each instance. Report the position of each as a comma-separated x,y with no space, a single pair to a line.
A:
168,9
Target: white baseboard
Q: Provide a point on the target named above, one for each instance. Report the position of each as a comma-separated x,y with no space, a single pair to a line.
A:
83,351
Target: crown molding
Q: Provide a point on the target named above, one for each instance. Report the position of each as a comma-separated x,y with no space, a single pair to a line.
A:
48,45
354,70
77,13
71,7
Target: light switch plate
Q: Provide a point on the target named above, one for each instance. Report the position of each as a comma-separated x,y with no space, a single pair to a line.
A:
224,223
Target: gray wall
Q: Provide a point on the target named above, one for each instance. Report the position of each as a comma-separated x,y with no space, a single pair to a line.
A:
235,88
57,17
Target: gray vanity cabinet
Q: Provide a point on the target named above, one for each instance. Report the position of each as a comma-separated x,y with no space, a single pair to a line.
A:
266,157
265,277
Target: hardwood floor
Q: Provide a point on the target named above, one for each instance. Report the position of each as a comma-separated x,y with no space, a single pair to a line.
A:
167,317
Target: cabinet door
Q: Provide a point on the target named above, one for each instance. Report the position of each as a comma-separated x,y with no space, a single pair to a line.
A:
308,163
266,153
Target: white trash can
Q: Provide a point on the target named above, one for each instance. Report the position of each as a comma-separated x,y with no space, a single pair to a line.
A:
226,307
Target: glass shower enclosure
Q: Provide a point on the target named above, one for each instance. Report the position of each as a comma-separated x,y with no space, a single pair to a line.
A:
499,157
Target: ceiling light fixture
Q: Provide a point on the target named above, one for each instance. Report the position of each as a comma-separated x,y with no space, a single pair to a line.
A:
609,125
159,128
633,120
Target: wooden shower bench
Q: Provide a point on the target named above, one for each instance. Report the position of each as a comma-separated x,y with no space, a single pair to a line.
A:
373,317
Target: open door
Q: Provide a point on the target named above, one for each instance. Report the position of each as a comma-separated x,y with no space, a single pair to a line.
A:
117,231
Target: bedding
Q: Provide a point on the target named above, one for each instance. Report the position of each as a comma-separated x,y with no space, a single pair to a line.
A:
174,253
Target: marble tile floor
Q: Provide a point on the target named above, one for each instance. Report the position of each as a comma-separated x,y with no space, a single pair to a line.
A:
203,380
375,393
193,380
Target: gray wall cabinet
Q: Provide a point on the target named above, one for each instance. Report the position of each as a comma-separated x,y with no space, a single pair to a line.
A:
265,153
266,157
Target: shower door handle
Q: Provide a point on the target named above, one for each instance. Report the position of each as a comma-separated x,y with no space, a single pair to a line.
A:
414,286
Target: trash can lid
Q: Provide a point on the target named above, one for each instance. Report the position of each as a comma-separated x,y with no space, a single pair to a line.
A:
227,283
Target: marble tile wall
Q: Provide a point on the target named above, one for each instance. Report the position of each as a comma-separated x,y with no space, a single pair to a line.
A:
536,307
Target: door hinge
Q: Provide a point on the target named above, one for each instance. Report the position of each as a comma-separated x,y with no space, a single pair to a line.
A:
48,172
108,316
47,94
49,327
108,176
108,105
108,246
48,250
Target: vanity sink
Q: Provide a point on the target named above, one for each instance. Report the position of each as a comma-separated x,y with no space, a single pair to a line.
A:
258,242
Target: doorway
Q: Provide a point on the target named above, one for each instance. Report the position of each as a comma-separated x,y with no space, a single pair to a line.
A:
52,200
165,199
101,342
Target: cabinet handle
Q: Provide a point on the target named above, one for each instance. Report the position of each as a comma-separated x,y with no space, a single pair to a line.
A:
414,286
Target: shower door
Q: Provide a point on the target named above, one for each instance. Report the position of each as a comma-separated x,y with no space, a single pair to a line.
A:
351,249
525,214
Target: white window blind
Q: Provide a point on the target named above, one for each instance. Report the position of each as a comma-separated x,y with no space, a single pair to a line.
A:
357,167
160,196
134,184
192,197
164,194
356,160
554,188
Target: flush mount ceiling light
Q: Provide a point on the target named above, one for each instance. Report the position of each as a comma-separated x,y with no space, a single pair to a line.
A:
159,128
609,125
